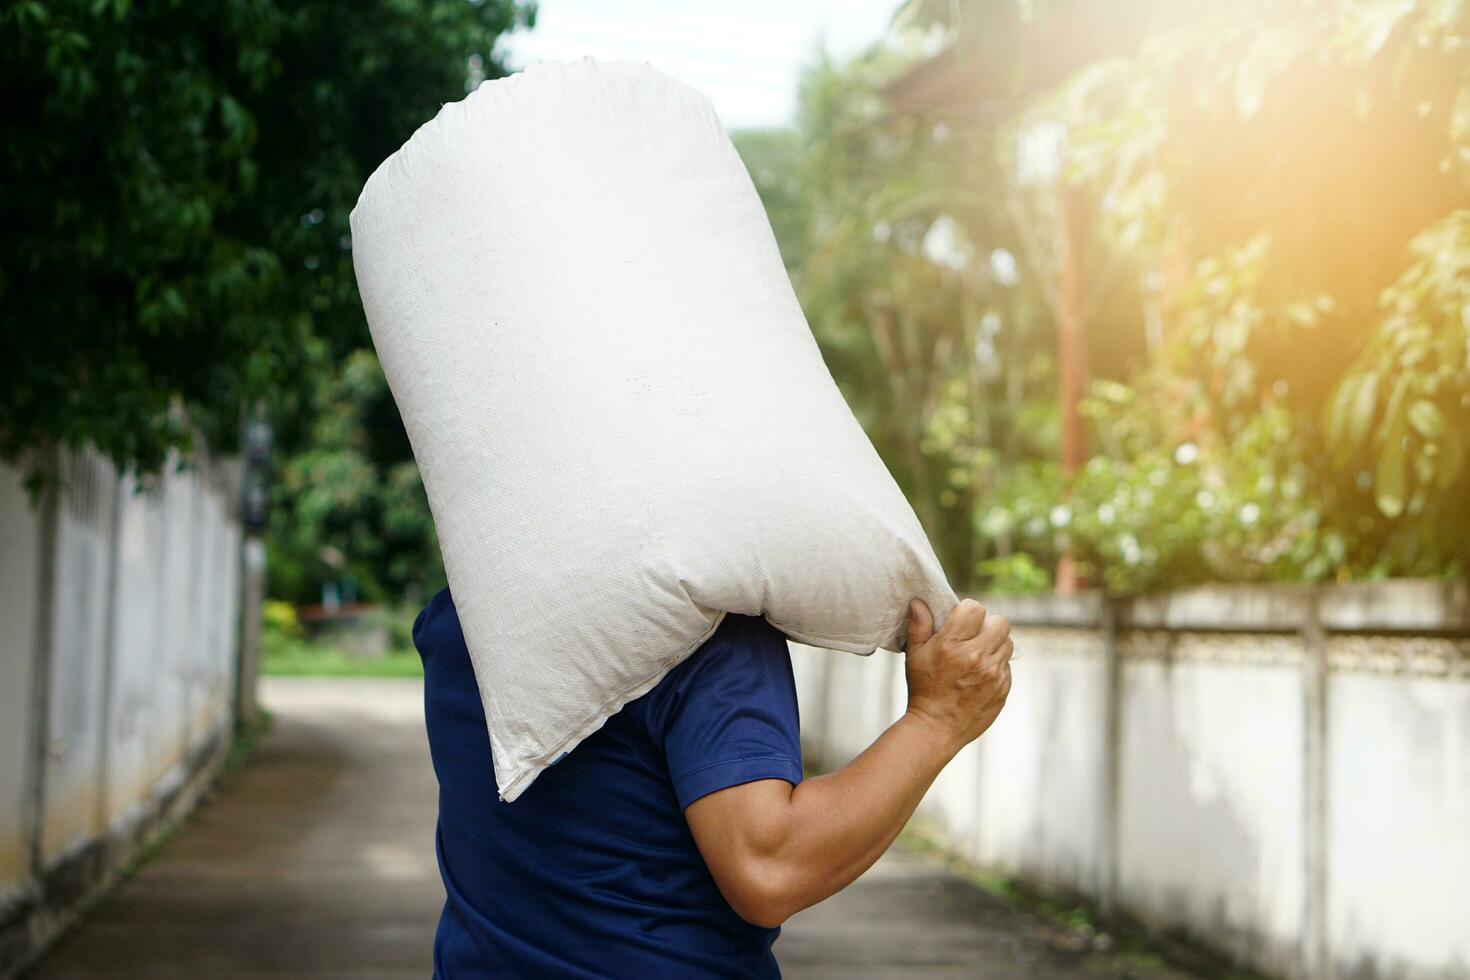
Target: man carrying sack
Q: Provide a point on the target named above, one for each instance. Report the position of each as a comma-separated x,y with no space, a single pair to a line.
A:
676,840
644,481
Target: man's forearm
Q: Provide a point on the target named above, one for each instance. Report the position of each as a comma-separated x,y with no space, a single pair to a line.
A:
775,849
835,826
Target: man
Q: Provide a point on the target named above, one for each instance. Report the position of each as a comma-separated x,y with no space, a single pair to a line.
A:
676,840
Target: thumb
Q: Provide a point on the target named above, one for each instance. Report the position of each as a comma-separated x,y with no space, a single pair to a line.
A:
921,625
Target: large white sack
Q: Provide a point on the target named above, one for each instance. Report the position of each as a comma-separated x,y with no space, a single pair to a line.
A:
623,422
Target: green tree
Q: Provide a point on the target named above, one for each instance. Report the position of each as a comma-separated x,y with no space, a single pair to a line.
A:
350,503
1291,177
878,218
1273,281
1402,410
178,182
773,157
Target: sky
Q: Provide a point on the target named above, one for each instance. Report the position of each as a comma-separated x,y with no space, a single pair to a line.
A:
747,57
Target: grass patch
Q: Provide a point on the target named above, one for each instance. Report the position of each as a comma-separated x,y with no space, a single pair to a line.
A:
288,651
302,659
1120,940
247,736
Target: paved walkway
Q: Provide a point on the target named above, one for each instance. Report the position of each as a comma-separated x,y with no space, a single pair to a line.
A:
316,862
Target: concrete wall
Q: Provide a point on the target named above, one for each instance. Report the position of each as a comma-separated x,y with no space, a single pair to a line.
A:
20,544
1281,774
118,615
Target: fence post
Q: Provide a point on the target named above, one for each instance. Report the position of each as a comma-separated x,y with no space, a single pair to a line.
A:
255,500
1107,888
109,656
1316,960
35,817
252,597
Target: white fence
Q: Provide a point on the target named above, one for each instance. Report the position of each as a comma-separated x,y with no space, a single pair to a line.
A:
118,618
1280,774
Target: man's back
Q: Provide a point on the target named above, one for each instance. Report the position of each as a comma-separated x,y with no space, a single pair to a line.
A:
593,871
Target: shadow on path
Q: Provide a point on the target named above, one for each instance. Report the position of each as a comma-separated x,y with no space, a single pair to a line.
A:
316,861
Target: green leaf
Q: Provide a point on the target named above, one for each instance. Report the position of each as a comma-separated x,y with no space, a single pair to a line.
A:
1427,419
1360,412
1452,458
1354,410
1389,482
1337,412
1368,26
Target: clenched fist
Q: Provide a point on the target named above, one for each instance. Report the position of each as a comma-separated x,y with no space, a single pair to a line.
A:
958,678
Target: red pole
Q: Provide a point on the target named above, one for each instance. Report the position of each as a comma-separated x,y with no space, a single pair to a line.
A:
1072,355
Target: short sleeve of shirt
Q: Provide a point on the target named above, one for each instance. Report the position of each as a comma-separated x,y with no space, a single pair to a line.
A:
730,717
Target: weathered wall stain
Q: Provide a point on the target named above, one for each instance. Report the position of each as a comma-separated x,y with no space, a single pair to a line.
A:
1280,773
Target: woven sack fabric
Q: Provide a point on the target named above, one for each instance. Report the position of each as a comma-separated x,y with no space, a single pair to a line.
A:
623,423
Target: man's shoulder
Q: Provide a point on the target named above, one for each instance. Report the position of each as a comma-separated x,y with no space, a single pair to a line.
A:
736,643
744,658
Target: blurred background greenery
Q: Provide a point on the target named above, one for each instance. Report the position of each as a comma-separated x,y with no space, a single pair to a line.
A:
1251,218
1133,295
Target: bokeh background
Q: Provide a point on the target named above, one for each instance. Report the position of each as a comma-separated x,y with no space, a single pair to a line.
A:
1169,290
1158,310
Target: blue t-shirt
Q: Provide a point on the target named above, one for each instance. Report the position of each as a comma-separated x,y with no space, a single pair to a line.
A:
593,872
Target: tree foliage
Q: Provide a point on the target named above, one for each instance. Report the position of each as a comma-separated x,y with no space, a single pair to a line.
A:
875,216
1292,178
178,182
1274,290
350,504
1403,407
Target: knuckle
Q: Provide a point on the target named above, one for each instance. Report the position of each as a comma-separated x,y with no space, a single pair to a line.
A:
1000,624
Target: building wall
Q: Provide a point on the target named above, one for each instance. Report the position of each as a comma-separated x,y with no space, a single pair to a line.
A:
118,612
1281,774
20,544
1210,793
1398,805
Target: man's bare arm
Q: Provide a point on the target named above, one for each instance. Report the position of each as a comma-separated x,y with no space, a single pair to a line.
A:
775,849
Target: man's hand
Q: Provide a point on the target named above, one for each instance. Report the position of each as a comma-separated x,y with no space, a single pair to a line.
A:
958,678
774,849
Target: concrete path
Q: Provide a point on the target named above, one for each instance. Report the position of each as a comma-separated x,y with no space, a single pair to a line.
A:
911,917
314,860
317,861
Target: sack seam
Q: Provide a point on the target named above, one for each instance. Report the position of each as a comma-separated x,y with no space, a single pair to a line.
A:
600,716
